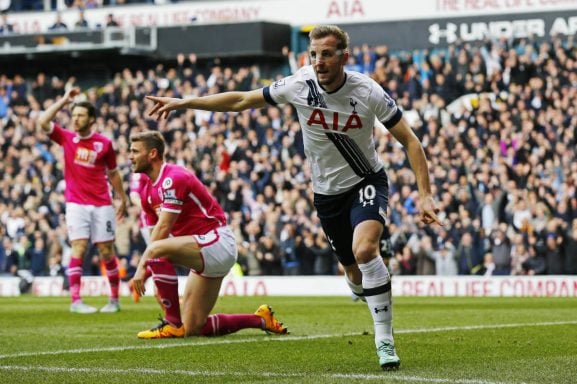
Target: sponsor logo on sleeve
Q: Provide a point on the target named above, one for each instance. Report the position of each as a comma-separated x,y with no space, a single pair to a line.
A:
279,83
167,183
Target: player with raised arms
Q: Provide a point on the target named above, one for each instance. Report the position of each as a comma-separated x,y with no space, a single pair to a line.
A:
89,164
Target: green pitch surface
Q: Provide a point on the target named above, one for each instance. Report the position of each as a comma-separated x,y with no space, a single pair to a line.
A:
439,340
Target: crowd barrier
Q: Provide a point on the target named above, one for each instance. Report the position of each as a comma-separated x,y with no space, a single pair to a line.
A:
458,286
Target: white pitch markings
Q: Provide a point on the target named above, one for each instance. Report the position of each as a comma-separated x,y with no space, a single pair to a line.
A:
489,326
210,341
140,371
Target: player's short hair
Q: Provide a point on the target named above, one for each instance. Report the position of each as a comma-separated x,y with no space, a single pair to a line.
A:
85,104
151,140
321,31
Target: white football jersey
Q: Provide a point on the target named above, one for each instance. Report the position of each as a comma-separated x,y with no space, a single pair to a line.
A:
337,126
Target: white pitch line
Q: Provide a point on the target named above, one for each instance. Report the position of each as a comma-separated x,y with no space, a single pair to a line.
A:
358,376
488,326
211,341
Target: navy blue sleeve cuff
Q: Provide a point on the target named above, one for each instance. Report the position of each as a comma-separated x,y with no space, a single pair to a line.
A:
393,120
267,97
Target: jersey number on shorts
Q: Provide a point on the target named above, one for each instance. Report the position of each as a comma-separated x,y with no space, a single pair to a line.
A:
367,195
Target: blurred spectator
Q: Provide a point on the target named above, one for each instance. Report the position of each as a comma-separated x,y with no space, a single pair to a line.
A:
424,257
42,89
81,23
501,253
445,260
5,27
58,24
55,267
406,261
305,249
27,5
111,21
325,257
37,257
570,248
8,257
554,254
268,255
468,255
290,260
488,268
535,265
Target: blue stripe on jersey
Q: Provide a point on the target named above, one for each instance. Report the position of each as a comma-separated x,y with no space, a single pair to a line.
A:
350,150
267,97
314,98
393,120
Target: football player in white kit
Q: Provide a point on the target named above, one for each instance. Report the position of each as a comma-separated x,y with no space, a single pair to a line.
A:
337,111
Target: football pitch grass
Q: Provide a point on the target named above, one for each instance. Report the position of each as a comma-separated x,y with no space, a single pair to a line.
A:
439,340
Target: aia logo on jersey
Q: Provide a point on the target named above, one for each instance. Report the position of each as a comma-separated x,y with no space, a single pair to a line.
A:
328,122
98,146
279,83
167,183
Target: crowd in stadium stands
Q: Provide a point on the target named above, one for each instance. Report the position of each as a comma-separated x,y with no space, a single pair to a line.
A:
7,28
498,123
42,5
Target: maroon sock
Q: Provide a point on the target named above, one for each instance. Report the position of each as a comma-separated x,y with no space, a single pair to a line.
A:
74,277
223,324
113,277
166,281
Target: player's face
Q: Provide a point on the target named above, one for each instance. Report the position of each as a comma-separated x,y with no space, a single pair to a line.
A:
328,62
138,156
81,120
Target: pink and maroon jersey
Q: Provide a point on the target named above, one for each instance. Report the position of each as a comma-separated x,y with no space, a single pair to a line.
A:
86,160
137,183
178,190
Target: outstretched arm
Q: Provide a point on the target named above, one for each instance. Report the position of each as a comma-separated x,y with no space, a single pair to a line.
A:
119,192
405,135
221,102
48,115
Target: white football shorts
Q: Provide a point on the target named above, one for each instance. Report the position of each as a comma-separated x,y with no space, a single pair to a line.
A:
218,251
97,224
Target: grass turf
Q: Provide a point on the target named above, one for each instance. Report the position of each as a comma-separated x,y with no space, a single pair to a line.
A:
439,340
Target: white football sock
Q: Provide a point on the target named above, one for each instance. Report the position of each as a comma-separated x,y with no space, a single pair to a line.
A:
377,291
357,289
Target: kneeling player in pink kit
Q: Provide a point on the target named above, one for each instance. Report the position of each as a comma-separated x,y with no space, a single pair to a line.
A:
178,205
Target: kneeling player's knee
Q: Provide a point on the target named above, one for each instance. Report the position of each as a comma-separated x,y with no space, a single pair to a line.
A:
192,332
193,327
